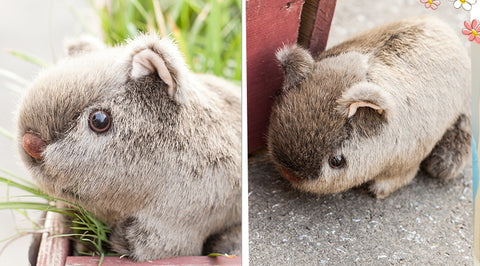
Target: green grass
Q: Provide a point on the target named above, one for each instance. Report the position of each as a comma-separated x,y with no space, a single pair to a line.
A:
208,33
85,228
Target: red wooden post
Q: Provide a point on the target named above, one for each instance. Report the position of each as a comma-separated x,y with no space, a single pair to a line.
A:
317,18
270,25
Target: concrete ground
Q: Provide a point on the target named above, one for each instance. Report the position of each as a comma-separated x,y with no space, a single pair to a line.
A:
424,223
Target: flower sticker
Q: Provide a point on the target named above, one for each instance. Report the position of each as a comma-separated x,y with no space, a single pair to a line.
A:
465,4
472,30
432,4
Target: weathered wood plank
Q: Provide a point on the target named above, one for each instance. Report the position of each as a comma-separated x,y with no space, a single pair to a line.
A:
270,25
315,24
53,250
113,261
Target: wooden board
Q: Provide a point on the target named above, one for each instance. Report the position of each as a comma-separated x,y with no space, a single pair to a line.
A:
315,25
53,250
271,24
113,261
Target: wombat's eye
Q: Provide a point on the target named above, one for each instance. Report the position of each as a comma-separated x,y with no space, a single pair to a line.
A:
99,121
336,161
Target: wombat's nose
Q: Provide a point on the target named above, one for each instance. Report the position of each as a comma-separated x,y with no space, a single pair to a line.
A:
290,176
33,145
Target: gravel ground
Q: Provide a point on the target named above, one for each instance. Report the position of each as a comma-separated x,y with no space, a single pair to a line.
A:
426,223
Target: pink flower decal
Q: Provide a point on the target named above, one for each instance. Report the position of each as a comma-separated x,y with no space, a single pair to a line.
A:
433,4
472,30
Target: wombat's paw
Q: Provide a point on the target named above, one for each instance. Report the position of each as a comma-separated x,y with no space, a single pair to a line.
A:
381,190
132,239
384,186
225,242
147,238
443,166
119,241
451,153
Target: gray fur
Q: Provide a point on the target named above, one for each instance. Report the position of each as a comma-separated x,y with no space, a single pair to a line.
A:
166,175
410,80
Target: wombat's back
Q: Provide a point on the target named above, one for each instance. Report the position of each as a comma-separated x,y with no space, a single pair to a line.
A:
379,101
425,66
427,33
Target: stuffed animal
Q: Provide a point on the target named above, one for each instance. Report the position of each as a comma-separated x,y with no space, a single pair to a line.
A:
132,135
374,109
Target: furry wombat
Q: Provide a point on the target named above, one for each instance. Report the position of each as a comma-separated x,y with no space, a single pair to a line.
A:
374,108
135,137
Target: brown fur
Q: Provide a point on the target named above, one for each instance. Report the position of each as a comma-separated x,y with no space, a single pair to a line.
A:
414,106
166,175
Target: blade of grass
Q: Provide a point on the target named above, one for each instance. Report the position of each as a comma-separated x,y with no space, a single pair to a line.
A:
26,205
32,190
26,196
159,18
220,254
69,235
213,35
177,35
14,77
102,257
198,24
5,171
35,191
33,222
140,8
34,206
6,133
29,58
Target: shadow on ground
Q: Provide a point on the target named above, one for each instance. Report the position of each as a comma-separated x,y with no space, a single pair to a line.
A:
426,223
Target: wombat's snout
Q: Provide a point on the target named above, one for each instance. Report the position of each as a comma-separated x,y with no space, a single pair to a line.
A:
33,145
290,176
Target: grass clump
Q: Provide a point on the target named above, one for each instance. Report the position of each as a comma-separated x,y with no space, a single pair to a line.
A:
208,33
86,228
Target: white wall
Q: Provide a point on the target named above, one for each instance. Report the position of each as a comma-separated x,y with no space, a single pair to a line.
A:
37,27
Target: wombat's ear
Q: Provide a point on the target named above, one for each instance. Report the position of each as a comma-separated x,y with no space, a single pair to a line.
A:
366,95
297,64
82,45
147,62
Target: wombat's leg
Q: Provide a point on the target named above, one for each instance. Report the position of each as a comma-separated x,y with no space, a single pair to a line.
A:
226,242
450,155
384,185
149,239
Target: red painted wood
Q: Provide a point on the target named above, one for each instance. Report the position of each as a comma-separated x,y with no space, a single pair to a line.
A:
270,25
53,250
113,261
316,23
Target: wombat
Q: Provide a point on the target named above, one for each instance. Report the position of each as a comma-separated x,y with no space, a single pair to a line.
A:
374,109
132,135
